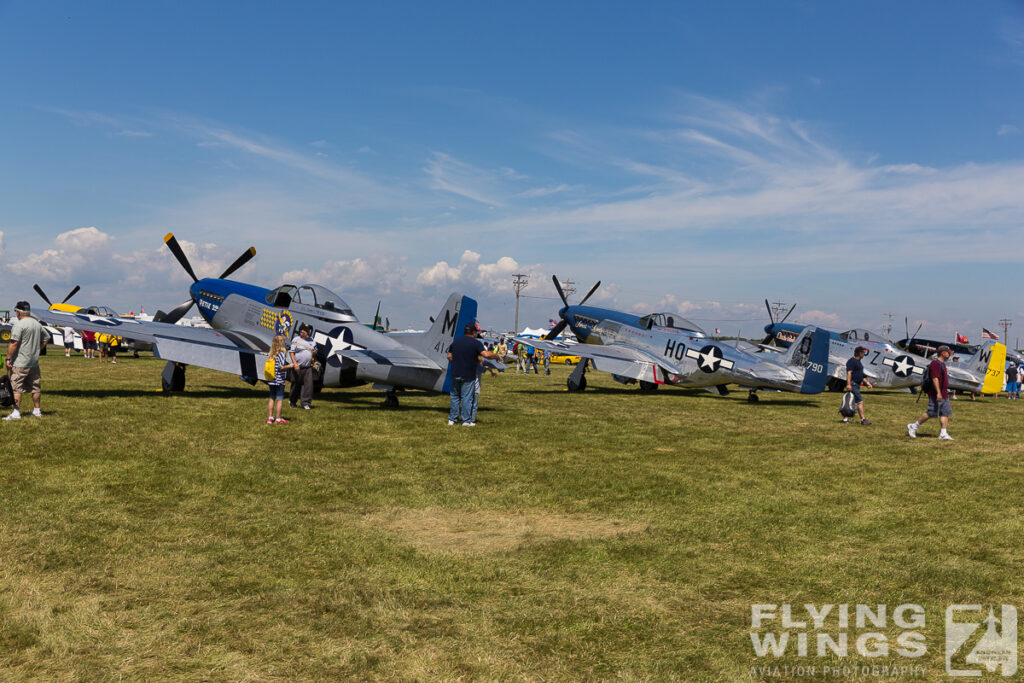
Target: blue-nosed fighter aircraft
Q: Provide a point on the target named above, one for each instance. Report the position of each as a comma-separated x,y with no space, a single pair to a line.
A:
662,348
891,367
244,318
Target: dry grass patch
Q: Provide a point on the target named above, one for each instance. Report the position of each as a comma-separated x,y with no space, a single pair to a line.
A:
437,530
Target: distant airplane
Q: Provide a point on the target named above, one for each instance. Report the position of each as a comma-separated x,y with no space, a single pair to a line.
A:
57,334
244,319
662,348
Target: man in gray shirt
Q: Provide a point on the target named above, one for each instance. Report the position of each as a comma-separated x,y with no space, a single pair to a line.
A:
23,359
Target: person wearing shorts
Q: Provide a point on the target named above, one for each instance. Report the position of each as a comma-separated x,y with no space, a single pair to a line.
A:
854,378
69,341
88,344
23,359
938,396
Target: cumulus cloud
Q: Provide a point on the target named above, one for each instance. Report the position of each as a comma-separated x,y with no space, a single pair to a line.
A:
492,277
1008,129
380,274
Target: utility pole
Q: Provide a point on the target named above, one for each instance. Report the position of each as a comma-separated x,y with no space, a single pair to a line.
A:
568,288
1006,323
888,325
520,281
779,308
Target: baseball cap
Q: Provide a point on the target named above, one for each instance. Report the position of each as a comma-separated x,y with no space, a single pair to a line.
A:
22,306
943,348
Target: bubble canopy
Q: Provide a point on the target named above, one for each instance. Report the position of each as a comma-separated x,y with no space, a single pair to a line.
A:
316,296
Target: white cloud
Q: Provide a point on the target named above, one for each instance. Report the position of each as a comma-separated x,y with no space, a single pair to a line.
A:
380,275
1008,129
1,242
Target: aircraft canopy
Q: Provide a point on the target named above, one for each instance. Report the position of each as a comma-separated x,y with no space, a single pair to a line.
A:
317,296
858,334
669,320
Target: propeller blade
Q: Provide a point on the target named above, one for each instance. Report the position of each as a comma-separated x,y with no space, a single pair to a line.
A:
554,278
771,318
769,339
916,331
556,330
175,248
787,315
906,327
177,313
71,294
376,316
239,262
592,290
42,294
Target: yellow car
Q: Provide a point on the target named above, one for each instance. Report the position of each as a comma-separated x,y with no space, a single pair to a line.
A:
567,360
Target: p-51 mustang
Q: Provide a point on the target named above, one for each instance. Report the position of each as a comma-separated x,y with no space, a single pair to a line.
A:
244,319
133,345
891,367
661,349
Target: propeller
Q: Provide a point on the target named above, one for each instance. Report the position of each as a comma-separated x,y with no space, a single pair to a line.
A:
179,311
42,294
557,329
770,338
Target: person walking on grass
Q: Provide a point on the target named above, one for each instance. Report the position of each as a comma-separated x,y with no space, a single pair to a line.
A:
854,378
937,389
23,359
279,352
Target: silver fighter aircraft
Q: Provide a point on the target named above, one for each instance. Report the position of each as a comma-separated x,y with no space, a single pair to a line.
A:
244,318
662,348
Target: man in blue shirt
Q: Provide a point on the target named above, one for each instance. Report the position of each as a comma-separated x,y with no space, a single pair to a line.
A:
464,356
854,378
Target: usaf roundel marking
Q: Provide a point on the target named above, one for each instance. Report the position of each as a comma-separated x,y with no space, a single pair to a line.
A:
709,358
338,339
903,366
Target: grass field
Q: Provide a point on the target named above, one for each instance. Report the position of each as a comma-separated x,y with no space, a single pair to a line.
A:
603,535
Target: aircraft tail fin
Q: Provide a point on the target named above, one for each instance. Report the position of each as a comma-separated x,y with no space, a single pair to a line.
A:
809,352
458,312
989,362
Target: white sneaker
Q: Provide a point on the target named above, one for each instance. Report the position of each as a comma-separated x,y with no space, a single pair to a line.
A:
945,437
451,422
14,416
36,413
469,424
912,431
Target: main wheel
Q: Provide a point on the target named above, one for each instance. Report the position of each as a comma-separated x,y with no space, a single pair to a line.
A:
648,386
753,398
582,386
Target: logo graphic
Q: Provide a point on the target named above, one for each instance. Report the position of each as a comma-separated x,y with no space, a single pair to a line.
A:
974,641
709,358
284,323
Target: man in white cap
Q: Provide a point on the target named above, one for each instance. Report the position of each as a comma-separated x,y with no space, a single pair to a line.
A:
23,359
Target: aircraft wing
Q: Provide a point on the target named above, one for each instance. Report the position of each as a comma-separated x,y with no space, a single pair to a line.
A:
200,346
617,359
407,358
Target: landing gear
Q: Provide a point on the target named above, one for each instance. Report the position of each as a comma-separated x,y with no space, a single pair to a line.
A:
578,379
390,400
648,387
752,397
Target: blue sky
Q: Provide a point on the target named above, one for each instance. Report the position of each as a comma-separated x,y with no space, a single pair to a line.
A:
854,158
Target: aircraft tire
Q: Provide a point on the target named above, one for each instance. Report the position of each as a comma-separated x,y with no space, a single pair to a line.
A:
582,386
648,387
753,398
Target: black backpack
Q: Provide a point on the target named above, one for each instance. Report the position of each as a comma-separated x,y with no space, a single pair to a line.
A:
6,392
849,405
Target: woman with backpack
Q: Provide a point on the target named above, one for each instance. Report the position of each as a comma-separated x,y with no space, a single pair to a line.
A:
279,354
